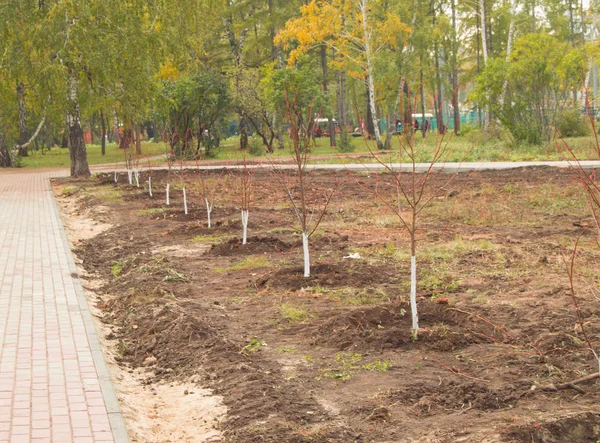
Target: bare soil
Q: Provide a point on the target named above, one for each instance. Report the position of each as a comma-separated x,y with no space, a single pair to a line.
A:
331,358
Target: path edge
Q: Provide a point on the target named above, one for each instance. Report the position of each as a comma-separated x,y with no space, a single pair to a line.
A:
115,416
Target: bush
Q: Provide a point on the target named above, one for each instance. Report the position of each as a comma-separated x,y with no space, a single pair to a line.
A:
256,147
571,123
344,143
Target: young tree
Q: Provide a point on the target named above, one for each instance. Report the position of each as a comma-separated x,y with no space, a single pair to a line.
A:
309,203
407,192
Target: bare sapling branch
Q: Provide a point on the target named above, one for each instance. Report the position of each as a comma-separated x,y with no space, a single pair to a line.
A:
189,137
591,186
171,137
405,191
309,202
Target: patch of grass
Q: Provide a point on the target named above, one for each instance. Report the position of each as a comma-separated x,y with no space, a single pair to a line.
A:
287,350
378,365
247,263
108,194
292,313
151,211
437,281
174,276
345,365
116,267
253,345
552,198
70,190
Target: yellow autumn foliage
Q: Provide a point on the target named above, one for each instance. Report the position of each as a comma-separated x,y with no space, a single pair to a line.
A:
169,71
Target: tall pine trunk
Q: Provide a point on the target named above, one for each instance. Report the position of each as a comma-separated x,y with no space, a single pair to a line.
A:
79,163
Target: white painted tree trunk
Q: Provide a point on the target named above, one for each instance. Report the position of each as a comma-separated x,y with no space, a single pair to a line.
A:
168,188
371,83
484,46
137,178
306,254
509,42
185,208
413,293
129,177
208,210
116,177
244,226
150,186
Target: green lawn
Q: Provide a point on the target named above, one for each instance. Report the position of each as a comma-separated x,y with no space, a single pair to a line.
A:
471,147
59,157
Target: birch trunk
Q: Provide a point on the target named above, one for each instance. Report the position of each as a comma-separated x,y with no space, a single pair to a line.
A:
22,151
484,45
370,80
5,158
79,163
509,42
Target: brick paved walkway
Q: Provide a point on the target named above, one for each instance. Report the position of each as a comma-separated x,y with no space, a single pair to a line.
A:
54,386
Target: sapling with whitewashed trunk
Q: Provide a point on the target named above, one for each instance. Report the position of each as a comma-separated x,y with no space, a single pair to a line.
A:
245,195
182,182
208,187
309,202
406,192
170,159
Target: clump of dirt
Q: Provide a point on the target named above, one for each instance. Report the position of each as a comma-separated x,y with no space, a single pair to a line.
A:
430,398
328,275
254,245
582,428
154,324
386,326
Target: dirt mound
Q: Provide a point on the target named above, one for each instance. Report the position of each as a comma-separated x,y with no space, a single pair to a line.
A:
329,275
388,327
254,245
151,327
582,428
430,398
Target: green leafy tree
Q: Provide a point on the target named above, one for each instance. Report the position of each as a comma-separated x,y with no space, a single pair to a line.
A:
538,77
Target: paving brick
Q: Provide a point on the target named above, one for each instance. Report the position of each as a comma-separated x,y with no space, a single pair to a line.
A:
49,385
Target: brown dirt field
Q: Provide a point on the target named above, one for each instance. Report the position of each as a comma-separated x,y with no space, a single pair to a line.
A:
331,358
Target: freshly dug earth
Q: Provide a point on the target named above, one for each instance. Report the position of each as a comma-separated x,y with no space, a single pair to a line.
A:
331,358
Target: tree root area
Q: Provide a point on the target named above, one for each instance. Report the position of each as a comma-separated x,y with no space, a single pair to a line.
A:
331,358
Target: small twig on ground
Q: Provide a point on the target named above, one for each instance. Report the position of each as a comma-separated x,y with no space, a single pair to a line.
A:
568,385
485,320
456,371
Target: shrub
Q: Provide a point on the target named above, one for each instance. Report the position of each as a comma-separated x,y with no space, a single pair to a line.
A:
256,147
571,123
